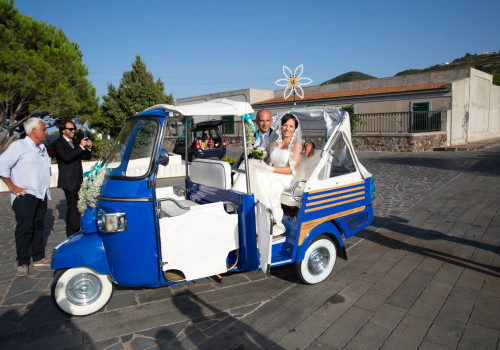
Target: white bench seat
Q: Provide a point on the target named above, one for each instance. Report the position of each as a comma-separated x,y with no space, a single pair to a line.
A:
303,172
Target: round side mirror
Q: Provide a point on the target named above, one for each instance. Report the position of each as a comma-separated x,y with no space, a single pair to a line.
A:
163,157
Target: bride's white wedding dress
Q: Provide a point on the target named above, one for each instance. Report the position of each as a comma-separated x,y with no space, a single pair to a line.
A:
267,186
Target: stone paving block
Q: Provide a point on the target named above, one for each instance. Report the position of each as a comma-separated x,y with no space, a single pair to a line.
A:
333,309
450,323
408,334
491,286
430,264
312,326
122,300
58,341
431,300
487,311
371,301
140,343
377,270
341,331
473,277
410,289
165,334
104,344
388,316
370,336
449,273
479,337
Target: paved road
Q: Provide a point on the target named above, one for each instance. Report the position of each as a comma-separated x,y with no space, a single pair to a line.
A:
425,275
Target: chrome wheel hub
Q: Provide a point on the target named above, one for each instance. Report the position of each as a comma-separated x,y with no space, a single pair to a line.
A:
84,289
318,261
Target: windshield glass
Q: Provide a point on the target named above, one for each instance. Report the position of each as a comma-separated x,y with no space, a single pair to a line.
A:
133,149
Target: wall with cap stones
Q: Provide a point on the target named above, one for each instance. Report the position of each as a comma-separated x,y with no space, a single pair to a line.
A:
406,142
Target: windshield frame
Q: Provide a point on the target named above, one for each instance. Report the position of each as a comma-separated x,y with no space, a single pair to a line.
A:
159,136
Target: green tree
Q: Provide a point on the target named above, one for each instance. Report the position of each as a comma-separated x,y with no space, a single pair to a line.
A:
137,91
41,74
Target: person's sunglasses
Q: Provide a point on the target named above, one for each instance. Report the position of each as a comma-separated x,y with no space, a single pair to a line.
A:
71,129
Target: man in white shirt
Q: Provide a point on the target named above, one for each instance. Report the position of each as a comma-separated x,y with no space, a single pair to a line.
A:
25,169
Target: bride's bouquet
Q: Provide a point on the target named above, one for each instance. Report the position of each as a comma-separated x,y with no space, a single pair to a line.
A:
257,152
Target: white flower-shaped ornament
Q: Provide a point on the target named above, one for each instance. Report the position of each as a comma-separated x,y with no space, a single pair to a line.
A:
293,82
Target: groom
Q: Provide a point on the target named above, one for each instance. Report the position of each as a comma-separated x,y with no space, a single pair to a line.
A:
264,121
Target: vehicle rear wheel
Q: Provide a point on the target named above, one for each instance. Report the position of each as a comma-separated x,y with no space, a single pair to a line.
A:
191,156
318,262
81,291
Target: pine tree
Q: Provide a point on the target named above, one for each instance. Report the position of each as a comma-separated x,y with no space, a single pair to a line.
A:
136,92
41,74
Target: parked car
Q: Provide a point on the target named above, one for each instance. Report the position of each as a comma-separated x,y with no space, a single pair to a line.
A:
207,141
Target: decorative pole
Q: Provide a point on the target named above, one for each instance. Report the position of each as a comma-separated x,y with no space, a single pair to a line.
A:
293,82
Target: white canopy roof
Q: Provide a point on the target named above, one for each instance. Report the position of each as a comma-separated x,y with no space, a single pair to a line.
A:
315,118
216,107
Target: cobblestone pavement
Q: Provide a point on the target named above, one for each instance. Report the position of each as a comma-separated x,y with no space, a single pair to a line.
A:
425,275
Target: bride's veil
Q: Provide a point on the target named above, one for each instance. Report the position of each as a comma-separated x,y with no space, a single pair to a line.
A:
277,137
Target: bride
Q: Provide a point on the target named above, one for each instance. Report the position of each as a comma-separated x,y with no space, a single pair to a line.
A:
268,181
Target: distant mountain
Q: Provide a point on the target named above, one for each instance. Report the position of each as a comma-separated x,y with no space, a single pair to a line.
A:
486,62
350,76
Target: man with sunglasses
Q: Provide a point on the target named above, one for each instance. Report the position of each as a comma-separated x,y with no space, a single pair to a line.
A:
69,157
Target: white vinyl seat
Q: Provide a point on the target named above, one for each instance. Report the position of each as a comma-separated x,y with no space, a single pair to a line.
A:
303,172
213,173
207,172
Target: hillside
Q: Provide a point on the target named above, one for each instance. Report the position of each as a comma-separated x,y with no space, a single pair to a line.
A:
487,62
350,76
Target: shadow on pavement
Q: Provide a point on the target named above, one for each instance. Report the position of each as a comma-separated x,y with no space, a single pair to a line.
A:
40,326
399,225
485,163
219,330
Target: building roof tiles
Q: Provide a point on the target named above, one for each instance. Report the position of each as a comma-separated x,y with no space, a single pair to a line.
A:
362,92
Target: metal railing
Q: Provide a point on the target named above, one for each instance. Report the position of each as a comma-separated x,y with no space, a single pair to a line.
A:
411,122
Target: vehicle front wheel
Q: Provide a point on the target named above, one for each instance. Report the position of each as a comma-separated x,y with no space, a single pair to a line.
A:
318,262
81,291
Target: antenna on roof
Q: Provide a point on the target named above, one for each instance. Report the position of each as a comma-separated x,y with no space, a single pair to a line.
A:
293,82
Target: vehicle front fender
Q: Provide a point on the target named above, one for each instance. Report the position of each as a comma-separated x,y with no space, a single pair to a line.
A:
81,249
329,230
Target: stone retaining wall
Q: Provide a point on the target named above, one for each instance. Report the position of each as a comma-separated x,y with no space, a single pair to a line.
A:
395,142
399,142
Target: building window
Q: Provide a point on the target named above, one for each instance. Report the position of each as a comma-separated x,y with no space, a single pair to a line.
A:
228,126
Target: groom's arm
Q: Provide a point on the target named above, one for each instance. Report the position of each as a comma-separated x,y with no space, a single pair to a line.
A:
308,148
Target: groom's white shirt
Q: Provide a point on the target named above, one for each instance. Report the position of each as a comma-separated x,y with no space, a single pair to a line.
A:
263,140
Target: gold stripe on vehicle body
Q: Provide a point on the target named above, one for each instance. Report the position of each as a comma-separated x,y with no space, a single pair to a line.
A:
334,188
338,192
307,226
333,199
335,204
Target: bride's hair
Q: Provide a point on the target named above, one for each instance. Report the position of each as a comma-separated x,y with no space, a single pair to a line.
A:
276,135
287,117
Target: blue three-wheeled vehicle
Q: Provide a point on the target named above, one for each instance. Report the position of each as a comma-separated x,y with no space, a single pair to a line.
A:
139,234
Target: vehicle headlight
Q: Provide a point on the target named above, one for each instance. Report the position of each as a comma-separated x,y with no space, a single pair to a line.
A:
112,222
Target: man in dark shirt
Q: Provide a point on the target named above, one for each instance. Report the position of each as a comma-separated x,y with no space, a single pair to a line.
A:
69,157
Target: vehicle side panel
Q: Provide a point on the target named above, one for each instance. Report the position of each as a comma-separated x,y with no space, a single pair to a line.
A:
346,208
248,255
81,249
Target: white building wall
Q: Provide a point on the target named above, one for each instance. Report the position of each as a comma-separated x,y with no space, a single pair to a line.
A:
495,111
479,110
475,108
460,111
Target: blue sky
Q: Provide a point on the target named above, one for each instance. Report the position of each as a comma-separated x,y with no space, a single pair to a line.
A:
201,47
